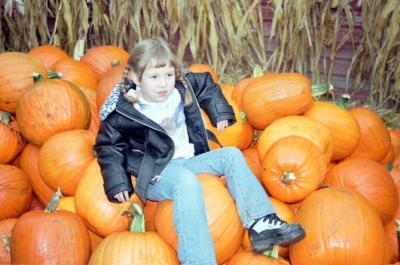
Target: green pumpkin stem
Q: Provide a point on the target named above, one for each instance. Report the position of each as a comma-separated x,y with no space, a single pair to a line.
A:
52,206
5,240
137,224
5,118
115,63
343,101
288,177
273,253
37,77
54,75
321,89
257,71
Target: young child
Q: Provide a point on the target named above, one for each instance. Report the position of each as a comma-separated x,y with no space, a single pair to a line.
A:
151,127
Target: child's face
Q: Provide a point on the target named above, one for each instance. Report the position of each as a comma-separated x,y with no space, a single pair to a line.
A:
157,83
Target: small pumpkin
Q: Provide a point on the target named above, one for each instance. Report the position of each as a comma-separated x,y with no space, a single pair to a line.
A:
11,141
107,82
48,54
203,68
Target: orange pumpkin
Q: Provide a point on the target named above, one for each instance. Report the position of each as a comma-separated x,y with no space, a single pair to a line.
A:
237,93
100,59
76,72
302,126
6,226
48,54
253,161
50,237
64,157
395,140
249,258
94,113
203,68
375,138
35,204
389,157
292,168
273,96
99,214
11,142
343,126
59,106
95,240
67,203
370,179
16,76
107,82
149,211
29,163
338,225
223,220
15,192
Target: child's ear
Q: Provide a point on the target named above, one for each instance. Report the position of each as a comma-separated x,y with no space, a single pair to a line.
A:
133,77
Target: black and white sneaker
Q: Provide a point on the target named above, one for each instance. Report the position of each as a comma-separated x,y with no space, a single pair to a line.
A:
269,230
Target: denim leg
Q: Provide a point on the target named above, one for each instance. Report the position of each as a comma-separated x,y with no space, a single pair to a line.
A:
195,245
251,199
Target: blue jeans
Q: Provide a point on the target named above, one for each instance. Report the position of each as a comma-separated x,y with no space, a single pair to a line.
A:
179,183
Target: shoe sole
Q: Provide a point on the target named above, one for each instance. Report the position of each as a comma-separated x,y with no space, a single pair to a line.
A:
269,243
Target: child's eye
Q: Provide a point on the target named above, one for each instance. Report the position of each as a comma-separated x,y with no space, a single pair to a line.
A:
153,76
170,75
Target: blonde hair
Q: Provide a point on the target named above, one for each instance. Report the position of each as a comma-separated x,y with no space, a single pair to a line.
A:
153,50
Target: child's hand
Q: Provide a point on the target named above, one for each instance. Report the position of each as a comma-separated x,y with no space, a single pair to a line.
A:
221,125
123,196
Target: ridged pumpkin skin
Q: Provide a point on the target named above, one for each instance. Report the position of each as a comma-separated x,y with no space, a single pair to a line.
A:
370,179
100,59
76,72
375,137
58,106
342,125
29,163
292,168
94,113
223,220
342,228
16,77
48,54
126,248
302,126
273,96
11,142
58,237
395,140
6,226
64,157
99,214
247,257
107,82
15,192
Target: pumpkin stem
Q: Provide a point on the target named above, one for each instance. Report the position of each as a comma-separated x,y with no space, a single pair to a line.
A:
389,167
321,89
54,75
52,206
37,77
288,177
273,253
257,71
5,240
137,224
5,118
343,101
115,63
243,116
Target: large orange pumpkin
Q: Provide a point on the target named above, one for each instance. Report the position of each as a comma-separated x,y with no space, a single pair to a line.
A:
342,125
273,96
107,82
11,142
29,163
94,113
223,220
375,138
134,247
247,257
48,54
395,140
370,179
6,226
17,70
58,106
342,228
203,68
292,168
76,72
50,237
15,192
64,157
100,59
100,215
302,126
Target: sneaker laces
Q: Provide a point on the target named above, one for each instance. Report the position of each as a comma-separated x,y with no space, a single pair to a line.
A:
267,222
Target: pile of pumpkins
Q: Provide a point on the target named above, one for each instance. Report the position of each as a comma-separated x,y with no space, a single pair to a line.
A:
334,170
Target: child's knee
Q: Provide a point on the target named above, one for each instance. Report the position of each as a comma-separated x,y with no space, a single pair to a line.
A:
233,152
188,182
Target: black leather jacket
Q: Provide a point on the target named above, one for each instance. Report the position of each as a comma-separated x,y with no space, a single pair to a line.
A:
129,143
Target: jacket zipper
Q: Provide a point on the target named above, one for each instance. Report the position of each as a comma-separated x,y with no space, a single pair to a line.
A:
198,105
